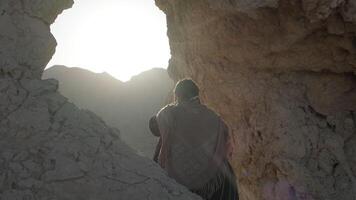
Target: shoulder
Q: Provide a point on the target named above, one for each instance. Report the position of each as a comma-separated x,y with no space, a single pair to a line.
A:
165,118
211,112
216,116
167,110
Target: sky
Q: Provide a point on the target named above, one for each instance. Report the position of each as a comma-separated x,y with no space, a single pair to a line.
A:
120,37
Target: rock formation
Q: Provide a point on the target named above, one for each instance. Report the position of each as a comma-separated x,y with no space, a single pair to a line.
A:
50,149
282,74
123,105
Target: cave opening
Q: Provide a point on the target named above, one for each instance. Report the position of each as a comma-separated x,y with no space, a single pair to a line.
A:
122,38
111,58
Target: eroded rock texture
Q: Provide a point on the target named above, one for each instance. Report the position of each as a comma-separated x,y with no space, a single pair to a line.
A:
282,74
49,149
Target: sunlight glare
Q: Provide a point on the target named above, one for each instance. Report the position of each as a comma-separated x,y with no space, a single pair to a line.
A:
120,37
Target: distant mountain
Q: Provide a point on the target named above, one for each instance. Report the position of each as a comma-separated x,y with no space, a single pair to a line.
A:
124,105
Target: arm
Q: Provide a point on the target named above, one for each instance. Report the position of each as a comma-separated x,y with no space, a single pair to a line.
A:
228,142
224,145
154,126
164,121
158,150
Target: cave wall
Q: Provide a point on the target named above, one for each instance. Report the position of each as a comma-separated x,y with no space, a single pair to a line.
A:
50,149
283,76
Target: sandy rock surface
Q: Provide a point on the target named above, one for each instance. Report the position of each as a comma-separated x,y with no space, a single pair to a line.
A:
282,75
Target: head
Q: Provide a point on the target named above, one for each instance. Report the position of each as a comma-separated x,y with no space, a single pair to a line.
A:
185,89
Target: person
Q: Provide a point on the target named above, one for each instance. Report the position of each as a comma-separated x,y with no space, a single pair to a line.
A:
194,145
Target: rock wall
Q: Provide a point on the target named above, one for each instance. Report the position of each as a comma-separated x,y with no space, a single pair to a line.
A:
50,149
282,74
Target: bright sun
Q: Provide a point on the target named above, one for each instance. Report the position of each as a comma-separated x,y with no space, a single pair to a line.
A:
121,37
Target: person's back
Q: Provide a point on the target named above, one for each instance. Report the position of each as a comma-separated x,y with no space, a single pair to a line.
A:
193,140
194,143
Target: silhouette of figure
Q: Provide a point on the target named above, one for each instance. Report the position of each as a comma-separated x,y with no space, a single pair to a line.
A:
193,146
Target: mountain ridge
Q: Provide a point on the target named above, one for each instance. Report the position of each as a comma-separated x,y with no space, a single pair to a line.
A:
123,105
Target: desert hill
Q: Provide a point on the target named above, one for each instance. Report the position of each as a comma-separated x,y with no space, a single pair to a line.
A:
123,105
